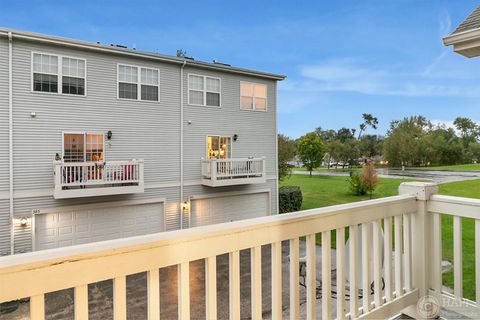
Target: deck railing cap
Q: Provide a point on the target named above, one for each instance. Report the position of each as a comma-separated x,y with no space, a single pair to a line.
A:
422,190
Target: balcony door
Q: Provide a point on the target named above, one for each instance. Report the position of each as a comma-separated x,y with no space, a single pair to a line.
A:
219,147
83,147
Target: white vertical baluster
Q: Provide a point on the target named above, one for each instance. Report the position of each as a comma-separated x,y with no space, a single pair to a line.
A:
353,255
184,290
256,286
398,256
477,261
276,262
366,255
437,253
37,307
377,262
326,276
81,302
407,250
294,281
234,269
211,287
387,261
311,277
119,298
457,257
153,294
340,273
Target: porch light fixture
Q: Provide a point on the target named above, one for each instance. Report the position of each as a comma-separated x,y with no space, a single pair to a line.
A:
235,137
109,135
23,221
185,206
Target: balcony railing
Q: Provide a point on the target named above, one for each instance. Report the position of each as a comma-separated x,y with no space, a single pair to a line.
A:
226,172
387,258
84,179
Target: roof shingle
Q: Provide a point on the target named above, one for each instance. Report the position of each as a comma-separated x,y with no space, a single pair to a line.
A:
472,22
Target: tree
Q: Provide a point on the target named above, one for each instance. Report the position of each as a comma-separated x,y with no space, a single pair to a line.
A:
369,178
368,121
310,151
469,131
286,152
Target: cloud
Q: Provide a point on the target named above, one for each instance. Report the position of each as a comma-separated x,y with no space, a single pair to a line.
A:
349,75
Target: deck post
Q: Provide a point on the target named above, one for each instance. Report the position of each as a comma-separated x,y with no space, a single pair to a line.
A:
141,177
58,175
421,234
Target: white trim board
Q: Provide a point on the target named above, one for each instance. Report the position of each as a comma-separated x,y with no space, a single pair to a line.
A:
38,193
101,205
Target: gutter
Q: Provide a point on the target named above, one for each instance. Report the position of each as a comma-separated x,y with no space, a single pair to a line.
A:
10,137
468,35
181,142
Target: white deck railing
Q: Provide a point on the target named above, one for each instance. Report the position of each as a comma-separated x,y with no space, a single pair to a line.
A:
241,169
458,208
394,244
69,177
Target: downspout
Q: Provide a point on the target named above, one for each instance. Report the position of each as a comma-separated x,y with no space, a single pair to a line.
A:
181,143
10,137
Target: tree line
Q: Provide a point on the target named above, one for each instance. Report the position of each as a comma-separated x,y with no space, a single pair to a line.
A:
412,141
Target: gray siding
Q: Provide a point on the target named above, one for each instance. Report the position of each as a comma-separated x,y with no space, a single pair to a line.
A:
255,130
4,228
148,130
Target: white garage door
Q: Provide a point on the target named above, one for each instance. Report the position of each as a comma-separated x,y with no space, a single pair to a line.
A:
53,230
232,208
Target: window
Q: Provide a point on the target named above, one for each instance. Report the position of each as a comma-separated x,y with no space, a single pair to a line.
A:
45,73
134,80
73,76
203,90
51,72
83,147
253,96
219,147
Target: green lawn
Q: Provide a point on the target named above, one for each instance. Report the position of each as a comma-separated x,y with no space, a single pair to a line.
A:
458,167
322,191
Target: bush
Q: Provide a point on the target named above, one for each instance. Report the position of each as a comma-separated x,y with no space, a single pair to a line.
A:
357,186
290,198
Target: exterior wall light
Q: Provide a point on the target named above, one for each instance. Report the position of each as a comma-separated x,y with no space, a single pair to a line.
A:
185,206
235,137
23,221
109,135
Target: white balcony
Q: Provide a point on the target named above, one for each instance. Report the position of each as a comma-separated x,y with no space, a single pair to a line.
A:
228,172
390,248
87,179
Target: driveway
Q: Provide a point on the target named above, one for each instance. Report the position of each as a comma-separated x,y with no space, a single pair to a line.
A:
437,176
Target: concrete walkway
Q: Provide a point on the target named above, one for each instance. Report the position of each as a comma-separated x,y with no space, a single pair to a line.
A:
437,176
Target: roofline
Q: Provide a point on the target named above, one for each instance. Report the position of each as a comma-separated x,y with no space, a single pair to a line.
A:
130,52
467,35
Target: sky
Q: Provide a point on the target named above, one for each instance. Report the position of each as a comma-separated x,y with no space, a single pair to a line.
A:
341,58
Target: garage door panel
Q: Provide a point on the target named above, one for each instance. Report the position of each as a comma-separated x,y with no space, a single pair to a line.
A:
231,208
82,226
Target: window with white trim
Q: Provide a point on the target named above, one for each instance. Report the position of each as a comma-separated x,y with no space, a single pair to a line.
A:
45,73
138,83
73,76
253,96
203,90
51,72
83,147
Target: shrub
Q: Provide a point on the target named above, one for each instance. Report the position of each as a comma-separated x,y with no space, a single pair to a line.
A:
369,178
357,185
290,198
